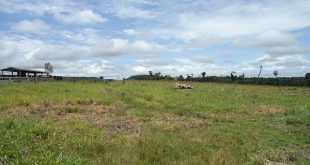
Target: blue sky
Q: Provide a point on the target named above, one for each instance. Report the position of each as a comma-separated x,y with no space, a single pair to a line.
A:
116,38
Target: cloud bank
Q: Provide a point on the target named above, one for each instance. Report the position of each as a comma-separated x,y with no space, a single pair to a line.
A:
123,38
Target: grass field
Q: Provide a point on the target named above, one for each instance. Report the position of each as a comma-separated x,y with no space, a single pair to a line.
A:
152,123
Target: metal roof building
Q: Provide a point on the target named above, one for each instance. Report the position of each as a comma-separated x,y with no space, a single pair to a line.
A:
21,72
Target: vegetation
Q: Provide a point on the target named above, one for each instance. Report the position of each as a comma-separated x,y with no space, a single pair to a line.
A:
233,78
150,122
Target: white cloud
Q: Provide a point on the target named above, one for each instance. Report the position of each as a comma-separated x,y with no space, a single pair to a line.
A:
116,47
274,43
270,38
285,61
6,50
31,53
65,11
156,35
148,62
55,52
130,32
234,19
140,69
202,59
130,9
34,26
18,6
81,17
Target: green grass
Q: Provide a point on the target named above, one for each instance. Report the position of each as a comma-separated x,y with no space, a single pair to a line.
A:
152,123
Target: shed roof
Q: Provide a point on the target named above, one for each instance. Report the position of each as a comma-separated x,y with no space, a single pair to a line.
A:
14,69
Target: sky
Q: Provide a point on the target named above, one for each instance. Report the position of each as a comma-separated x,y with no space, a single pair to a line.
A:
120,38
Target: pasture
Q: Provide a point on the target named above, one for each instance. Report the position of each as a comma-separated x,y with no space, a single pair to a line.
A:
153,123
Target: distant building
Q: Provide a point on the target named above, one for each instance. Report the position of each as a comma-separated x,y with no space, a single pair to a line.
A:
22,72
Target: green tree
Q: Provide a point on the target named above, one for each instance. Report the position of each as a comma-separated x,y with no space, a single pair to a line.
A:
180,78
233,76
203,74
307,77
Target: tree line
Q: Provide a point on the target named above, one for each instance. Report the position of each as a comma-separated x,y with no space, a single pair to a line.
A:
233,78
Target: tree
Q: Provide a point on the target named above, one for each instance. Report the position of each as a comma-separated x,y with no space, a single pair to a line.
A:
241,77
151,73
157,74
48,68
275,73
307,76
189,77
203,75
233,76
180,78
168,77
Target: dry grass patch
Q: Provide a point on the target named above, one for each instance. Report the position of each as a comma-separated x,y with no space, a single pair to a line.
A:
266,110
122,126
171,122
88,111
285,155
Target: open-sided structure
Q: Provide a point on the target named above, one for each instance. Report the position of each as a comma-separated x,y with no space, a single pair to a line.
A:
21,72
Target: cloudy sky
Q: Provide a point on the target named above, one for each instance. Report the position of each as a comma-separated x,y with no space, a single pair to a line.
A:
116,38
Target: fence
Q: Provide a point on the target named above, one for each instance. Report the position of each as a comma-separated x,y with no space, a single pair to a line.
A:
25,79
